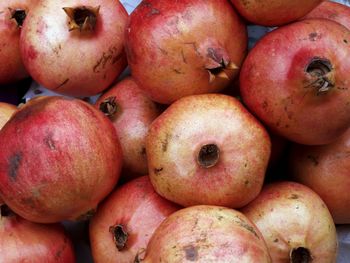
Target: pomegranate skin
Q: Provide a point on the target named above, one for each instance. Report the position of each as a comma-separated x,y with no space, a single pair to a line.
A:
6,111
24,241
274,12
131,112
11,65
180,48
75,63
325,169
207,234
296,81
291,216
333,11
207,149
139,210
59,158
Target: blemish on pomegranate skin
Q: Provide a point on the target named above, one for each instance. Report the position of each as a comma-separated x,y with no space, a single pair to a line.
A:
14,163
49,142
313,36
191,253
158,170
62,84
32,53
313,159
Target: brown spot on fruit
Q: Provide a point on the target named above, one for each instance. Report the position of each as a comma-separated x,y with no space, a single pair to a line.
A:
158,170
49,142
14,163
293,196
120,236
313,36
313,159
191,253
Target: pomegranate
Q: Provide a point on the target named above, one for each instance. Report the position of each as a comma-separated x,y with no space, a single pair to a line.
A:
274,12
207,149
180,48
325,169
125,222
6,111
75,47
206,234
333,11
131,112
295,223
296,81
12,16
24,241
59,158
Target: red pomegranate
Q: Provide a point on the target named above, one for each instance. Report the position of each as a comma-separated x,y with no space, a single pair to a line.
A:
180,48
24,241
206,234
295,223
131,112
274,12
59,158
325,169
333,11
75,47
125,222
296,81
6,111
12,16
207,149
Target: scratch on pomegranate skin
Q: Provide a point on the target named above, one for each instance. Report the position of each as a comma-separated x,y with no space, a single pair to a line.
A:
194,46
62,84
49,142
112,55
14,164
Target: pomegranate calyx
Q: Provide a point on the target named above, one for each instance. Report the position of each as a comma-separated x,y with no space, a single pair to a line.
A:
120,236
208,155
109,106
18,15
300,255
321,72
5,211
220,70
83,18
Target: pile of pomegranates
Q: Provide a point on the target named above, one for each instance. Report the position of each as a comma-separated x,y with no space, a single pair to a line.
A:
167,139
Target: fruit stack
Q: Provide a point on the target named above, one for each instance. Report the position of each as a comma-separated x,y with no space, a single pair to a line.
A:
205,150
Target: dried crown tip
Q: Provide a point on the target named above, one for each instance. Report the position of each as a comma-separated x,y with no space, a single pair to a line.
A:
83,18
220,71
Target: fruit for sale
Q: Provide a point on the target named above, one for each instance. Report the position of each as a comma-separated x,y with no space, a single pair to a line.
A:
325,169
296,80
274,12
180,48
59,158
207,149
12,15
206,234
24,241
131,112
295,223
75,47
125,222
333,11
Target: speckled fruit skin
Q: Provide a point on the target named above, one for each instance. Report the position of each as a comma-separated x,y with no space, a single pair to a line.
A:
333,11
24,241
274,12
290,215
276,86
59,158
73,62
134,113
171,45
176,137
139,209
11,66
325,169
207,234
